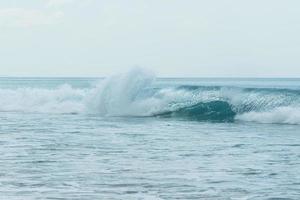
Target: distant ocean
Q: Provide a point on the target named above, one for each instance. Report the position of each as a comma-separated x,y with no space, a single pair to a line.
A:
134,136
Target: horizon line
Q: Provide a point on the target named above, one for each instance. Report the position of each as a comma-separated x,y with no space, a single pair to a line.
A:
159,77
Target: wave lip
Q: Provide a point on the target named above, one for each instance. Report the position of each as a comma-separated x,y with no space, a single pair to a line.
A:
212,111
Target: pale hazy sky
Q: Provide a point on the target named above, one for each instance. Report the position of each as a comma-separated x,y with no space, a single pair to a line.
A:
253,38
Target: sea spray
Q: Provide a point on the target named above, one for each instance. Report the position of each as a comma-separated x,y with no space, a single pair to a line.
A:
119,95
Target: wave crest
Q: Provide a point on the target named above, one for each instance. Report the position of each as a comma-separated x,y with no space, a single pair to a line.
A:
138,94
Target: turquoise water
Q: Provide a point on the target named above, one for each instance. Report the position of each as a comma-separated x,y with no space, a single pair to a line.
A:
136,137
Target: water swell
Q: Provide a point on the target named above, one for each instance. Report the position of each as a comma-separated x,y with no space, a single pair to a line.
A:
212,111
137,94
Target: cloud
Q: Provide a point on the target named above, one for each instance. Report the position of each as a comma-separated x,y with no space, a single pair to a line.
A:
20,17
60,3
57,3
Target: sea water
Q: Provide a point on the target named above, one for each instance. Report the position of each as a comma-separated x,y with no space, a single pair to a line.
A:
134,136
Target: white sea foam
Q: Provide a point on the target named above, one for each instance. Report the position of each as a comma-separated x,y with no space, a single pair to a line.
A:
281,115
119,95
64,99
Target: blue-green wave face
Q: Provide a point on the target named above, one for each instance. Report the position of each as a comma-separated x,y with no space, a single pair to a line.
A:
220,111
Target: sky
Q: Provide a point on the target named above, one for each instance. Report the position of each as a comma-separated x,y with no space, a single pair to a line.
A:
174,38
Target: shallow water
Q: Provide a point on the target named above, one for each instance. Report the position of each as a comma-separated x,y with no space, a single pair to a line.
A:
79,154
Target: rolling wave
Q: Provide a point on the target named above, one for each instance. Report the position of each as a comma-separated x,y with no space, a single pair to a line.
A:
137,94
212,111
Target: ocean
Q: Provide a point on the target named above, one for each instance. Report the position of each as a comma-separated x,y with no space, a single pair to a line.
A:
135,136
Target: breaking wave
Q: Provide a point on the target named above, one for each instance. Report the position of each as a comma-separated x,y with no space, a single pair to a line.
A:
137,94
